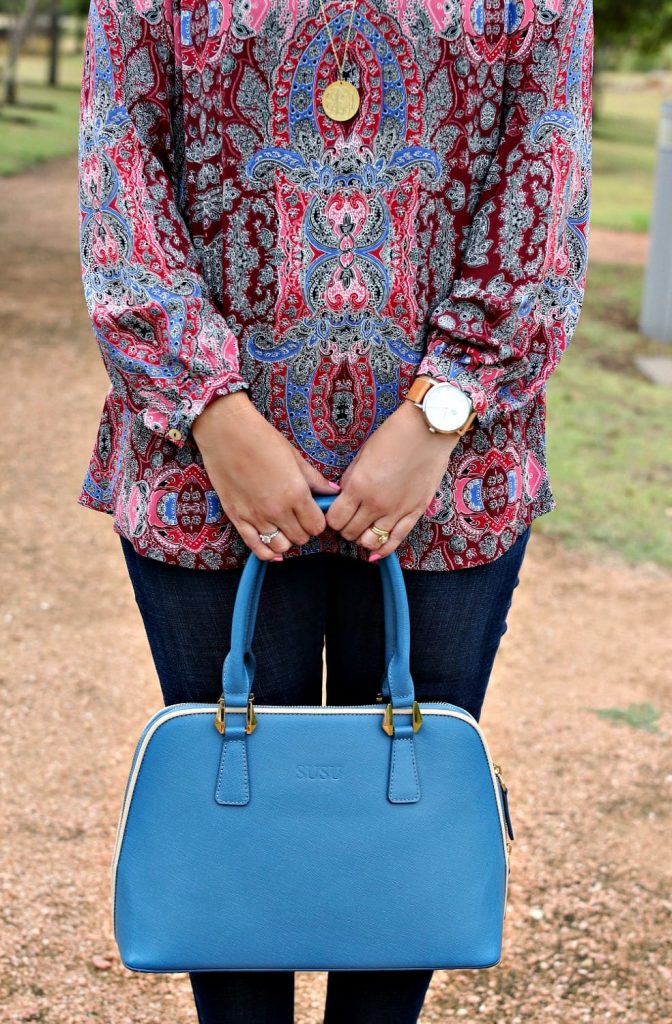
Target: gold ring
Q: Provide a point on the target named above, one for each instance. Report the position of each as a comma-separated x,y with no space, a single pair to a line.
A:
379,532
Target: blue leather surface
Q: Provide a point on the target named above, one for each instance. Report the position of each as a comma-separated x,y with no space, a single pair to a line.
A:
319,871
317,842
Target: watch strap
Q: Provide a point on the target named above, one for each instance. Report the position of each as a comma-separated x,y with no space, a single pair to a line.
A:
419,389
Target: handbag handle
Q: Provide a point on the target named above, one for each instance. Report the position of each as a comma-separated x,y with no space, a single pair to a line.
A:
239,666
233,777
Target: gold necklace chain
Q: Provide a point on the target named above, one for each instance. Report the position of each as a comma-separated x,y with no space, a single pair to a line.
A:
340,65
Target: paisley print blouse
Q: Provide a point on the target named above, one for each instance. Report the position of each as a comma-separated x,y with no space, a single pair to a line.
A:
232,236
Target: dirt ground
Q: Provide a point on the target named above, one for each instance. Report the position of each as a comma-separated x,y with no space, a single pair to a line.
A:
587,933
618,246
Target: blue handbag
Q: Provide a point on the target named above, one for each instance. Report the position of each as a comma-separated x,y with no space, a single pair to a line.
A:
312,838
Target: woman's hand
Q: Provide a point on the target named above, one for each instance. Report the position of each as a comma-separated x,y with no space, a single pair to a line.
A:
391,480
261,480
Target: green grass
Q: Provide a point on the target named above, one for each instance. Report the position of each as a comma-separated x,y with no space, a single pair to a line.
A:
43,124
609,450
637,716
624,153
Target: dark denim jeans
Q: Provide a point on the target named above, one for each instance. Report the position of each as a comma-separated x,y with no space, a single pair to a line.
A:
307,601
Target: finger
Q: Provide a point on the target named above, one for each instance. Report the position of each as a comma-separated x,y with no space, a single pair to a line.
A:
316,482
342,510
310,516
368,539
398,533
293,513
363,518
250,535
280,542
293,528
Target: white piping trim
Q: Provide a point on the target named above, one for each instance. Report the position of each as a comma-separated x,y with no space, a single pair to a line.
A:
164,715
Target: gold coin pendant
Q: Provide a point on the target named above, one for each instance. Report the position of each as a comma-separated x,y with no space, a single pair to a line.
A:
340,100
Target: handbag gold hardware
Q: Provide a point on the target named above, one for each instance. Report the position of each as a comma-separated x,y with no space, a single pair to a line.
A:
220,716
250,716
388,718
498,771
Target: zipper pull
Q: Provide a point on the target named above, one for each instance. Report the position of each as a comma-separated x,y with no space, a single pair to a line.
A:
505,799
498,773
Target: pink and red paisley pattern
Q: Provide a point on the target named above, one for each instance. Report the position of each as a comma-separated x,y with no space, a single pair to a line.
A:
233,237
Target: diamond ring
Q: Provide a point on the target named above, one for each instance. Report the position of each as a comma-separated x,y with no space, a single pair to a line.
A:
268,537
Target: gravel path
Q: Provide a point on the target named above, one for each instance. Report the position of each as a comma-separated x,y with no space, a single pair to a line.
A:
587,934
618,246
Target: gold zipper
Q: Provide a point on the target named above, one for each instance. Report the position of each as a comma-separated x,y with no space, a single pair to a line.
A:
498,772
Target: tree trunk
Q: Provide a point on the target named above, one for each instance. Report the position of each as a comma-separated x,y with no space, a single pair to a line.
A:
22,27
54,40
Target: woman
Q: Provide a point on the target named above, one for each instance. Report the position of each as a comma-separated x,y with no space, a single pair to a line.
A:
330,246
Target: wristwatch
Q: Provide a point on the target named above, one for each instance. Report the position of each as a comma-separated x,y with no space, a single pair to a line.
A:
447,409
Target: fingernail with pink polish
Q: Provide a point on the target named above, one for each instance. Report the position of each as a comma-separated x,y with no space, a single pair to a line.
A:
374,557
278,558
336,487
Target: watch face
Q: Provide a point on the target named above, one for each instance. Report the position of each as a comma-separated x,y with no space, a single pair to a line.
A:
446,407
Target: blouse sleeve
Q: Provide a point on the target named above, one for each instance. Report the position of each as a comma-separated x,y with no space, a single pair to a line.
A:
516,300
166,347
